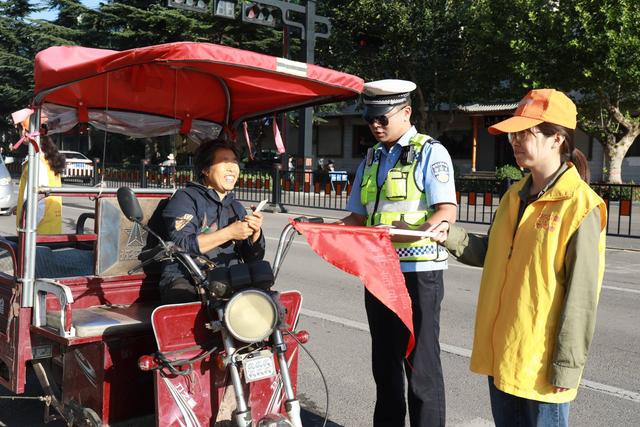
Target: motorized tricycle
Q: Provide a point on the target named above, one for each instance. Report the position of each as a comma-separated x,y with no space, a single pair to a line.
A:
74,307
237,303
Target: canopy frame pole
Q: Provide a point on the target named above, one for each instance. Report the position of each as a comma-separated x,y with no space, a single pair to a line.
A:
227,101
31,197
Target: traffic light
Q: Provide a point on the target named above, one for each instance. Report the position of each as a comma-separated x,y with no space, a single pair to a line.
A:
257,13
192,5
225,9
367,41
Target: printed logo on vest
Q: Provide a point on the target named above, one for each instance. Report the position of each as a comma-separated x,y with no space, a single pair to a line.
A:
441,171
548,221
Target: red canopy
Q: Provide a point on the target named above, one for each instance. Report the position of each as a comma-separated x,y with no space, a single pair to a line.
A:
184,81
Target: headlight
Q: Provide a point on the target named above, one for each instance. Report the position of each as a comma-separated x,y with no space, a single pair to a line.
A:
5,181
250,316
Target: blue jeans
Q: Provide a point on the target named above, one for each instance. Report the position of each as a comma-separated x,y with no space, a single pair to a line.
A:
509,410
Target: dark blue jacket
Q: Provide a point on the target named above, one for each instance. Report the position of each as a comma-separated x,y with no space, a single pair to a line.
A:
197,209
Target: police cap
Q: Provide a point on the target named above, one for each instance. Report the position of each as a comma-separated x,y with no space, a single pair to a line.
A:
382,96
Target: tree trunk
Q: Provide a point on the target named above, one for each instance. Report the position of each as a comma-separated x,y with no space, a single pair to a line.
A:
616,150
614,155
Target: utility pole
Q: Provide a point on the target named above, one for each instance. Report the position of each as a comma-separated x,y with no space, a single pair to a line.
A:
261,12
305,133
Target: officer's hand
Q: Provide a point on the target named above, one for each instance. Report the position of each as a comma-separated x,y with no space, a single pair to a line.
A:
559,389
440,230
403,239
254,220
239,230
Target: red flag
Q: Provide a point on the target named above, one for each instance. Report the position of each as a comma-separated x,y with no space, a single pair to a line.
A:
277,137
245,129
368,253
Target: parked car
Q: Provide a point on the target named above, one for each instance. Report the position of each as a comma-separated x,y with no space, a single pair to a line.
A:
78,166
8,191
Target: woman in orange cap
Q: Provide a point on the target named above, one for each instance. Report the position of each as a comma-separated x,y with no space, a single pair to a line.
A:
538,295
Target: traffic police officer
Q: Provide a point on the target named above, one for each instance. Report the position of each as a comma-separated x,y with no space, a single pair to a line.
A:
406,181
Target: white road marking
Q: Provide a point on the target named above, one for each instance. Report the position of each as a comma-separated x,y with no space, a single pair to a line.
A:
612,288
335,319
615,288
610,390
460,351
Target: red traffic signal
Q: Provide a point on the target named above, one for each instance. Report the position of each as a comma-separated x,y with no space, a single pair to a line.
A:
257,13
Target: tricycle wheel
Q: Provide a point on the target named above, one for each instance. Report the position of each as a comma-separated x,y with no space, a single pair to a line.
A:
88,418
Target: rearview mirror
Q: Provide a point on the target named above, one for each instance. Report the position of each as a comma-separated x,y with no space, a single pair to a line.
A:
129,204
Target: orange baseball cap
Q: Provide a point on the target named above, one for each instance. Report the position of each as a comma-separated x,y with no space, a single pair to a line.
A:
539,106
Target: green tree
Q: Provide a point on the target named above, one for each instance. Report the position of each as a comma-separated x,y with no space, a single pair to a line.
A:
590,49
20,39
15,62
390,39
431,42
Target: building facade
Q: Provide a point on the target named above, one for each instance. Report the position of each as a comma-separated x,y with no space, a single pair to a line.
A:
344,138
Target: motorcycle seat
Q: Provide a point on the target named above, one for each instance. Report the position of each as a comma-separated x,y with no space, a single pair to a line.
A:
106,319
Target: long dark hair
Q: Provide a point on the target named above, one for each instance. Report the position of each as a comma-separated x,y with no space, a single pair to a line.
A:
568,150
206,152
56,160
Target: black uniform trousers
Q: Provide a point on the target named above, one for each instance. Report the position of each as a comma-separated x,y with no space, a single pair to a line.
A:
424,373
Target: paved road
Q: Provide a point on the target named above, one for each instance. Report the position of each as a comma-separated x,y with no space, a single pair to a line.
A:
334,316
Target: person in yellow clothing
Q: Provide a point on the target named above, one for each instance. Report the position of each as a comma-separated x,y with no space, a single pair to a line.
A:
543,265
52,163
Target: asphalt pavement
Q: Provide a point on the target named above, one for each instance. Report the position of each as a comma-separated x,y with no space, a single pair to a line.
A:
334,315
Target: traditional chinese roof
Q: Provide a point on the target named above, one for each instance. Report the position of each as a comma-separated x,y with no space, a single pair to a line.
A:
487,108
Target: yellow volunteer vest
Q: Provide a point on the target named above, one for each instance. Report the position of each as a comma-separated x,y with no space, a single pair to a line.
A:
51,222
521,294
399,198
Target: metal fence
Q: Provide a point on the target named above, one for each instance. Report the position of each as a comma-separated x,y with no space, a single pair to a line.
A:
477,199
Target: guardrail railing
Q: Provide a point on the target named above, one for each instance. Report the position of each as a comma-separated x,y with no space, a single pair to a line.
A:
478,198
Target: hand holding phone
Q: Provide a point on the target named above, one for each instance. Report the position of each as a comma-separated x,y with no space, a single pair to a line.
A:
260,206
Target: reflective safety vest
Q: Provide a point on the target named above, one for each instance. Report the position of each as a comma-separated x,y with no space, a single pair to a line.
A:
400,198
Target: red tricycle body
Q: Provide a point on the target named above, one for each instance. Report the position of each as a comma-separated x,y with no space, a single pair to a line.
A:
70,305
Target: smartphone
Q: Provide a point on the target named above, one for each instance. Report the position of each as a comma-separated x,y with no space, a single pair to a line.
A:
261,205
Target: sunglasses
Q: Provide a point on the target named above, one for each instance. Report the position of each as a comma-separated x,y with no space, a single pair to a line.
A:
382,120
520,136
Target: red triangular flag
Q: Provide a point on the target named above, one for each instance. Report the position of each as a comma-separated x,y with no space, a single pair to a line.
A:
245,128
277,137
368,253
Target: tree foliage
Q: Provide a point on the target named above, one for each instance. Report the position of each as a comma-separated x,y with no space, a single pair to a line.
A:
20,39
457,51
426,41
590,49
